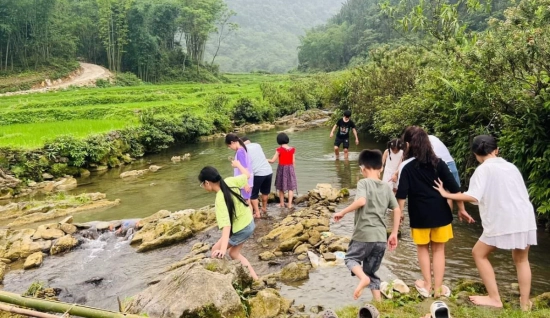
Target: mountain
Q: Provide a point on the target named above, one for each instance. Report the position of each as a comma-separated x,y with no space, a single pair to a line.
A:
269,33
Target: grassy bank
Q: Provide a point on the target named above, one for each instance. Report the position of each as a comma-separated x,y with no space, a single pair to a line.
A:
22,80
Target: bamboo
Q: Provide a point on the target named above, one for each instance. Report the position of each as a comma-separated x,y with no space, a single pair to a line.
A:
25,312
60,307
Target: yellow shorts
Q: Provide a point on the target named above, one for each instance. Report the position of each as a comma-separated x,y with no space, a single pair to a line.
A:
438,235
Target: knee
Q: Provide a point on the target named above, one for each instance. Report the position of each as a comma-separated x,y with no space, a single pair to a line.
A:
234,254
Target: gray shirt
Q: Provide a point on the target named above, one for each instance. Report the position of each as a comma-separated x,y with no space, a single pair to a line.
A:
260,165
370,225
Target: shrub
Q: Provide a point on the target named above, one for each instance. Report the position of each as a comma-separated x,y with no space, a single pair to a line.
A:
247,111
127,79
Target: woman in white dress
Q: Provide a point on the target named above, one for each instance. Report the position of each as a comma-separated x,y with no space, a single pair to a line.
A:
391,160
507,216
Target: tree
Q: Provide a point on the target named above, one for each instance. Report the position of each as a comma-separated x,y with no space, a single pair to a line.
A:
113,29
224,29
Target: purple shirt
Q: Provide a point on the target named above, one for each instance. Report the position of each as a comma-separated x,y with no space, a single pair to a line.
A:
244,159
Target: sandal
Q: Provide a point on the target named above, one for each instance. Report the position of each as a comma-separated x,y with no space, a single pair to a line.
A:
329,314
445,291
400,286
368,311
422,291
386,290
439,309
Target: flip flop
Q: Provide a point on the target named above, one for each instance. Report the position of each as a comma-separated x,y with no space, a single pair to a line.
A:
400,286
386,290
439,309
368,311
329,314
422,291
445,291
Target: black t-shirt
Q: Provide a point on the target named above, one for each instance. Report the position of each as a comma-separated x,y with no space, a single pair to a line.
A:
427,208
344,128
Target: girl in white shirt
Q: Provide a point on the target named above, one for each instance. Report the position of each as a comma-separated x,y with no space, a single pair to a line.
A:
391,159
507,216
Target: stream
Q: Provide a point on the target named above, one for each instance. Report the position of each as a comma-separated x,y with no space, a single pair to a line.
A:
99,271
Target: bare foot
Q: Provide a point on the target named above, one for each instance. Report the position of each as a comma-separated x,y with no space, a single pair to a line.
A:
282,205
264,210
257,216
290,206
526,306
486,301
359,290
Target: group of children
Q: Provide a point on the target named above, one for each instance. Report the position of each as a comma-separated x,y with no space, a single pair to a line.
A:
418,168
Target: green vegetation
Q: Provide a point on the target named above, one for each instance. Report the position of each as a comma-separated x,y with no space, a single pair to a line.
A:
268,35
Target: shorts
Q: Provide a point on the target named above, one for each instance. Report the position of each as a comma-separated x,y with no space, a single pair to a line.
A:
369,255
454,171
339,141
261,184
243,235
437,235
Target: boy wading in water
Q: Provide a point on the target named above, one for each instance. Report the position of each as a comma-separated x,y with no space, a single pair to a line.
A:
342,136
368,243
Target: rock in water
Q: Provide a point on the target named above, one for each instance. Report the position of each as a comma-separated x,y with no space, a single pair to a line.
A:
190,291
34,260
294,272
268,303
63,244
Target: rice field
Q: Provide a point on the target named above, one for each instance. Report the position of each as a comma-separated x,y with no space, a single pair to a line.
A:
27,121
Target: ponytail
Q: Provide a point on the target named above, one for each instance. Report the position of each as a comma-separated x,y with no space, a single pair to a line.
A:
229,138
484,145
395,143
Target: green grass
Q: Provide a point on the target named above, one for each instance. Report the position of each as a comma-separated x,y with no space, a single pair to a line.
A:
34,135
27,121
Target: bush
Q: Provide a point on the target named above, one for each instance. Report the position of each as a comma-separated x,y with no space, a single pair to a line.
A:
247,111
127,79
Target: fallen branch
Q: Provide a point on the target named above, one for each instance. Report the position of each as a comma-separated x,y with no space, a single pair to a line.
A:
25,312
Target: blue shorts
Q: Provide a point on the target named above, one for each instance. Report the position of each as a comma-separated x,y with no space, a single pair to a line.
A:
243,235
454,171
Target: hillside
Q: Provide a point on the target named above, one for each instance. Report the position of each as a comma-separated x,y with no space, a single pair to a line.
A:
268,34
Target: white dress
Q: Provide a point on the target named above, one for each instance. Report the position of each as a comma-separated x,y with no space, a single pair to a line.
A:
392,164
507,215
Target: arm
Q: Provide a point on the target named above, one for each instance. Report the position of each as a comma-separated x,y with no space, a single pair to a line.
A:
294,160
460,198
350,208
384,157
224,242
392,240
275,157
356,138
237,164
332,131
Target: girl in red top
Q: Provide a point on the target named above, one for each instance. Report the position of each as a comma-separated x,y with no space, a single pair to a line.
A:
285,180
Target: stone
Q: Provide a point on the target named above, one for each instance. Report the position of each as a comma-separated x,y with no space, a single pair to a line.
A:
542,300
294,272
165,240
155,217
132,174
340,245
154,168
47,176
268,303
329,257
190,291
314,237
25,247
322,229
278,253
68,228
67,220
302,249
63,244
316,309
288,245
266,256
52,234
176,159
65,184
33,260
102,226
285,232
84,172
3,269
302,257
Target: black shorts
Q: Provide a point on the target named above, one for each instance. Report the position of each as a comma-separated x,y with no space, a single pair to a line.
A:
339,141
261,184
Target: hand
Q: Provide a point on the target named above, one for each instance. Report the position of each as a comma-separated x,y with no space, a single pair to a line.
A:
247,188
338,216
464,216
392,241
401,219
331,134
235,163
356,141
218,254
439,187
394,177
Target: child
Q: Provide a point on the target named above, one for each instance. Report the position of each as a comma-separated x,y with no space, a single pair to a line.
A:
241,154
285,179
232,212
430,215
368,243
507,216
391,160
344,125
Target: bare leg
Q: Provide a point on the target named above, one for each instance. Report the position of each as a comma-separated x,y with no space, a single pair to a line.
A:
235,253
438,255
281,199
450,203
256,208
364,281
337,152
345,153
481,253
264,202
290,197
376,295
524,276
423,252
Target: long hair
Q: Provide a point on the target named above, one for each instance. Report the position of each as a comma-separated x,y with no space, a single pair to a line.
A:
394,144
210,174
229,138
419,147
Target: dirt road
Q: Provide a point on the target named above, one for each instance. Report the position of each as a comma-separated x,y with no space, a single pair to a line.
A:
88,74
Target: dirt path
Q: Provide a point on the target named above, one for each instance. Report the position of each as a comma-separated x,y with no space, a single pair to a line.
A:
87,75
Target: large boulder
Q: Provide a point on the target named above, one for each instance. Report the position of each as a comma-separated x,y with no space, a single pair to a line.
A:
294,272
65,184
268,303
63,244
166,240
190,291
25,247
33,260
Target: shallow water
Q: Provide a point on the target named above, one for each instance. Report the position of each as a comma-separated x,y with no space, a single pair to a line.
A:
115,269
